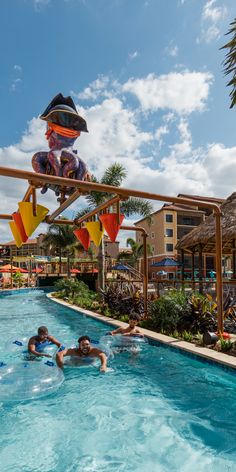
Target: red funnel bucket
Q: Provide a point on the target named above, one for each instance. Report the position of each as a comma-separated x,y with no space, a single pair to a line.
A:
83,237
111,224
19,224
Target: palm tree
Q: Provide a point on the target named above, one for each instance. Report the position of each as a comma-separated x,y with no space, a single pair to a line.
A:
61,239
230,62
137,251
114,175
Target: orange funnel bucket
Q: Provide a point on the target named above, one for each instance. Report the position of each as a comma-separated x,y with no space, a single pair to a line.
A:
83,237
111,224
19,225
96,231
30,221
16,234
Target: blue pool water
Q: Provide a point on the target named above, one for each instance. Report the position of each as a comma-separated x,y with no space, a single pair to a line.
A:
155,411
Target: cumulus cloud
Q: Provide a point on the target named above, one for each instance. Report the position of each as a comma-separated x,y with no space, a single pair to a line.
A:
211,18
97,89
182,92
122,132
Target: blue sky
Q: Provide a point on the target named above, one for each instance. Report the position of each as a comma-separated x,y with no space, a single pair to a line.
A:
145,74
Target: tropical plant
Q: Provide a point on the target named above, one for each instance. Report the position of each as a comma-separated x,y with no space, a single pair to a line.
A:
18,279
123,301
225,345
201,315
167,311
137,252
114,176
68,288
59,238
230,61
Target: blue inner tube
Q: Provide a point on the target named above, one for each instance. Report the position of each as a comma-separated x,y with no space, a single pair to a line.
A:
118,340
77,361
29,380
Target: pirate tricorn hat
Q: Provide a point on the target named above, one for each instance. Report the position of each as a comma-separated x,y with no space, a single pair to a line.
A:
62,111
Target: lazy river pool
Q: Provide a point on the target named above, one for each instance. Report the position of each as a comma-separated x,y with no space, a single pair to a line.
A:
158,410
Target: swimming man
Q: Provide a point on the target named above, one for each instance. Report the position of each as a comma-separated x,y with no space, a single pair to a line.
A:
84,350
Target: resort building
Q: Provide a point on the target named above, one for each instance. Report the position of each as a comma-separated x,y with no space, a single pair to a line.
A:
35,247
165,227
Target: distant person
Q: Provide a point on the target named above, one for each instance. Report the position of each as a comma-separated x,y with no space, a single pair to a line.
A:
38,342
84,350
131,330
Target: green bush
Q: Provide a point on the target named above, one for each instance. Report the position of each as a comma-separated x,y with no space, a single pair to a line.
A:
69,288
178,312
225,345
166,312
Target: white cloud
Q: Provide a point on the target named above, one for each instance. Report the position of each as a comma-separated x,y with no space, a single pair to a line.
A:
39,4
161,132
181,92
116,135
212,16
172,49
97,89
15,84
133,55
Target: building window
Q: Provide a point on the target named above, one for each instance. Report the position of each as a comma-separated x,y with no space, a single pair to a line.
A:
152,235
169,233
169,218
153,249
153,275
152,221
169,247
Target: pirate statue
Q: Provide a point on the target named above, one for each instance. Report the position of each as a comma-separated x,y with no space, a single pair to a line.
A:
64,126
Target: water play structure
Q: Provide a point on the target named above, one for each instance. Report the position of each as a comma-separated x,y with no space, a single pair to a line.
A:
67,176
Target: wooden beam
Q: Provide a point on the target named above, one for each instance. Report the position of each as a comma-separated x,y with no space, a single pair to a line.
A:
63,206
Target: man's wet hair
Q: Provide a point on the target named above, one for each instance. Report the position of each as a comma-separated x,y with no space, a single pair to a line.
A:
42,330
134,317
84,338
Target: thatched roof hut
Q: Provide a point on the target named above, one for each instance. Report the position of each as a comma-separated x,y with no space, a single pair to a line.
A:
204,235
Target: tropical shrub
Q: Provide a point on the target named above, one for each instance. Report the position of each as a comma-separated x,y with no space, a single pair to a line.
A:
167,311
178,312
68,288
225,345
200,315
123,301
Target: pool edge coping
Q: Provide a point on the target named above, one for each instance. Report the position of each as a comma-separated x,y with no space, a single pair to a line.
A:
198,351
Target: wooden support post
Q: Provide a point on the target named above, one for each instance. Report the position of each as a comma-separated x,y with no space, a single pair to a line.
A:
234,259
200,269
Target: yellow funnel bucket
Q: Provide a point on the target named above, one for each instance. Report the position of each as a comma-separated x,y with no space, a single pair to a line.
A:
96,231
30,221
16,234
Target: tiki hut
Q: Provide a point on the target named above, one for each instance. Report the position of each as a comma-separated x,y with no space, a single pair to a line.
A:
202,239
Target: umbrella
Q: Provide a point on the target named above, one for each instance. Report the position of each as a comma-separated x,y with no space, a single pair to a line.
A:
161,272
119,267
75,271
7,268
166,262
37,270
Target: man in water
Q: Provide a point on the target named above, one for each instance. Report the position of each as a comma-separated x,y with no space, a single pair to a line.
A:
131,330
37,343
83,351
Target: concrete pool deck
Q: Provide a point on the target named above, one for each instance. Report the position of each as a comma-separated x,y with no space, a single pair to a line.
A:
202,352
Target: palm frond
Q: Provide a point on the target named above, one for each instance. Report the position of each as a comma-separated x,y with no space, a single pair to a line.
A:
229,63
136,206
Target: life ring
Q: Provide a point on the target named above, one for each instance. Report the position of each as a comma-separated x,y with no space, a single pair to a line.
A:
19,345
86,361
120,341
29,380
